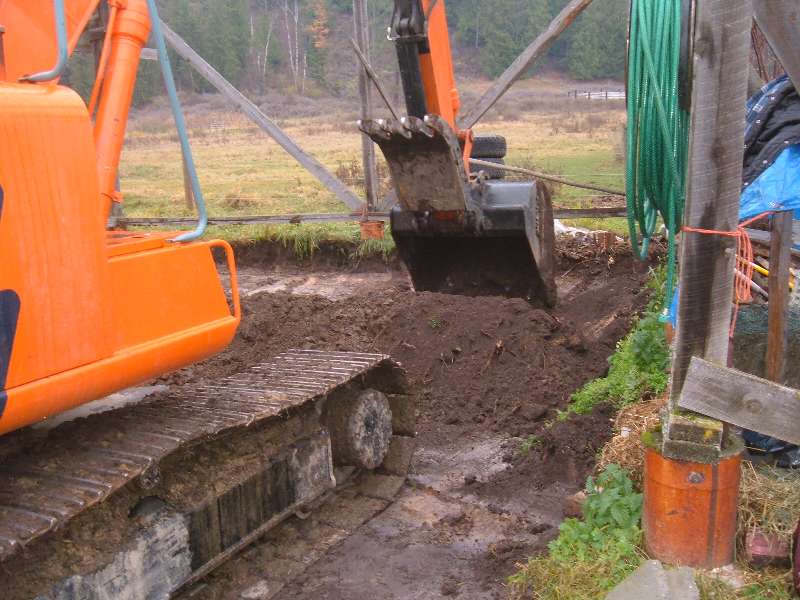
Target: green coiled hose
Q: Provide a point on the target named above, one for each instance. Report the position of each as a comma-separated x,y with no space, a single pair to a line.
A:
657,128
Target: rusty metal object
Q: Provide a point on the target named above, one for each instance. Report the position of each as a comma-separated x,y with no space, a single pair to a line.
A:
689,514
41,491
372,230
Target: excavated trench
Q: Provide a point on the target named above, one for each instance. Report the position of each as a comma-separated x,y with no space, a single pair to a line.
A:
488,373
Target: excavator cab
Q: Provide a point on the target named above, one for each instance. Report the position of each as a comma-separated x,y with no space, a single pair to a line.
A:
456,231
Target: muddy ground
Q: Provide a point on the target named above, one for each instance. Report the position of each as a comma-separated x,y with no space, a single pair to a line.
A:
488,373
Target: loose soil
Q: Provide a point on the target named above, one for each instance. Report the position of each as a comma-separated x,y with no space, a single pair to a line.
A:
488,373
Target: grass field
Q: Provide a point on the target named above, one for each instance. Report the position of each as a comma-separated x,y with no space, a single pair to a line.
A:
244,172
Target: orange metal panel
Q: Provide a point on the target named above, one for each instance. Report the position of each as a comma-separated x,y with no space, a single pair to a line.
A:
40,399
438,75
51,232
170,311
30,38
162,292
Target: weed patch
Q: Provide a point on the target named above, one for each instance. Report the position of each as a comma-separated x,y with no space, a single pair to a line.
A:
638,368
589,556
529,443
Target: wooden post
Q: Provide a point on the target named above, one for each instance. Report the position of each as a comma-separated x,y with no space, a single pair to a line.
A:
533,52
361,24
719,90
780,260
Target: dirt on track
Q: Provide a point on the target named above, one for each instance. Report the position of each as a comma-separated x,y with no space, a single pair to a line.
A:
488,372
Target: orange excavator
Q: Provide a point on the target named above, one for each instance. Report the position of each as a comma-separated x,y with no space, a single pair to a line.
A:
457,231
84,311
157,493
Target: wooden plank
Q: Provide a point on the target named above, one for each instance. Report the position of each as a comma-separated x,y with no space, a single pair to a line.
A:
559,213
361,22
780,22
374,78
188,190
764,238
780,260
531,54
721,62
263,121
742,399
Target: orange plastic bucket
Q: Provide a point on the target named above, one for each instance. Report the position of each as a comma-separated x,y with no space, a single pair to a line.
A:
689,513
372,230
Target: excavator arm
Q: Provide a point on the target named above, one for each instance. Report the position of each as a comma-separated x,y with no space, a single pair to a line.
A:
457,232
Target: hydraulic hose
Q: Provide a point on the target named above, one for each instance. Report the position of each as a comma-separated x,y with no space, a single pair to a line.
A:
657,128
180,125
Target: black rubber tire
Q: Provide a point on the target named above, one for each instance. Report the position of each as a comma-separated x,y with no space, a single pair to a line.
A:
489,146
489,172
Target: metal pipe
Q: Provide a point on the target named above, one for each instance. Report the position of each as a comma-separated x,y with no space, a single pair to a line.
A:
180,125
63,53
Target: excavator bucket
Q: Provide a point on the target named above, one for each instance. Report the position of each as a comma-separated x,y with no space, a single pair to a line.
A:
462,235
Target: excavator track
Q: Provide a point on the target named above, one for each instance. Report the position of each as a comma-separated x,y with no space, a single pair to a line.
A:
194,475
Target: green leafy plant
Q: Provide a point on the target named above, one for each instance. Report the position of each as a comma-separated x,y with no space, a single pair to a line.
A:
593,554
639,365
436,323
612,510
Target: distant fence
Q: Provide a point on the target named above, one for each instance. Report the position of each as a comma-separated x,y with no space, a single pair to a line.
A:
597,94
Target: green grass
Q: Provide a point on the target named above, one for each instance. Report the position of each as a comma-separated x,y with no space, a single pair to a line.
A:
244,172
590,555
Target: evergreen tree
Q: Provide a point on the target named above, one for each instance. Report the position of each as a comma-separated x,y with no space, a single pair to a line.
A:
598,45
509,27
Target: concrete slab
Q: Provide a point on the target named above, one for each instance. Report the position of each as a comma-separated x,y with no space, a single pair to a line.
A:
654,582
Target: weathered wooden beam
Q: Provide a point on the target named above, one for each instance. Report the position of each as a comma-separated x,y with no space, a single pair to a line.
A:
719,90
256,219
780,22
532,53
361,25
721,59
780,260
742,399
230,92
374,78
559,213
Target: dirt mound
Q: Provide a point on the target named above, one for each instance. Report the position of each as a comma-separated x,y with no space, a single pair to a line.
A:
564,452
474,362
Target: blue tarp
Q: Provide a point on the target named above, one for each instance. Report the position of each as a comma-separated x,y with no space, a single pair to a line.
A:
772,157
776,189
